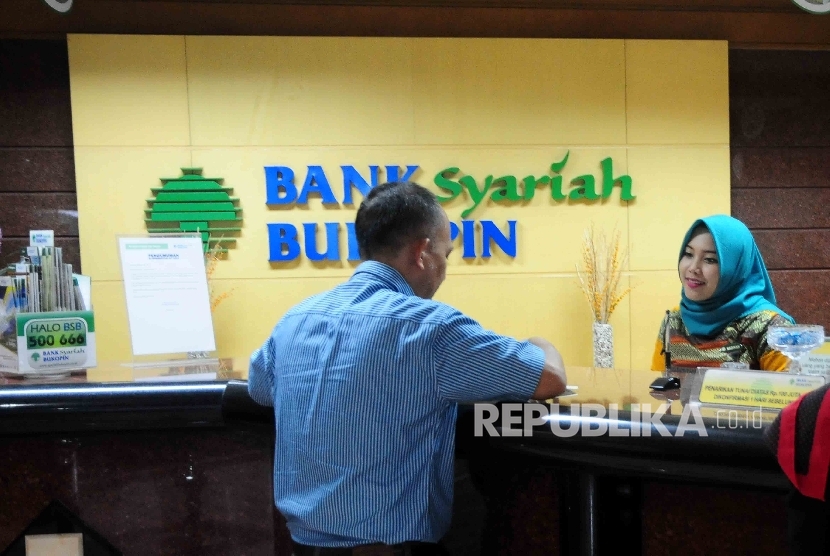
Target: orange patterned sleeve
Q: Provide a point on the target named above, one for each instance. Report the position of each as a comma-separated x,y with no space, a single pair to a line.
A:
658,361
774,360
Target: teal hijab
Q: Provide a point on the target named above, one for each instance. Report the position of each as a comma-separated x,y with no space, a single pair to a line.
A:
744,286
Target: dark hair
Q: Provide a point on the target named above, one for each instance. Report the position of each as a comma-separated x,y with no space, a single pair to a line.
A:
392,215
699,229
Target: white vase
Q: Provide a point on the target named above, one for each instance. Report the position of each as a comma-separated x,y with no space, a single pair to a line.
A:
603,346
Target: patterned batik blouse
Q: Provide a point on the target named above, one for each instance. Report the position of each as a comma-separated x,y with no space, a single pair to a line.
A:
744,340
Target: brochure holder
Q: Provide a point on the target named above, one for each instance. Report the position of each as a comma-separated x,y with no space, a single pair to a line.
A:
168,302
36,343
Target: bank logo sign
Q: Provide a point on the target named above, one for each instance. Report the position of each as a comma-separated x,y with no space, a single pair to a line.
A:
288,188
193,203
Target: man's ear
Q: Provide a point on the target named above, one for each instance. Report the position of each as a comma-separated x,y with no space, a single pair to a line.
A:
419,248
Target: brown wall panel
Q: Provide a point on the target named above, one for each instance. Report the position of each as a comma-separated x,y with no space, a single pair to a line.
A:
70,250
775,167
21,212
780,125
804,294
37,169
699,5
794,119
782,208
794,249
780,132
34,94
779,98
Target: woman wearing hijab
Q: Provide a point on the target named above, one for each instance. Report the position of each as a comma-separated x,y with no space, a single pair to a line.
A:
727,302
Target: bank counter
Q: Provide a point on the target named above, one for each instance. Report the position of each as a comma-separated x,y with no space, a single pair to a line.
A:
178,460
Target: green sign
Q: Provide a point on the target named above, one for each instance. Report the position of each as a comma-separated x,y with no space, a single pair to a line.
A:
55,342
56,332
510,188
193,203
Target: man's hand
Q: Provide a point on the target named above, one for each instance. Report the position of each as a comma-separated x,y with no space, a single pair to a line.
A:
552,382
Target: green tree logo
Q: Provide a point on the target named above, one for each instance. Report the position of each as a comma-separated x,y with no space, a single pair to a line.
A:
193,203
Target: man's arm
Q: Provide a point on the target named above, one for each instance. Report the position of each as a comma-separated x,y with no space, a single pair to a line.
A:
474,364
552,381
261,375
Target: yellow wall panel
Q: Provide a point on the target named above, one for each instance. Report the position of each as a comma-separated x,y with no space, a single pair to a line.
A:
112,329
128,90
536,305
677,92
519,91
299,91
549,232
113,185
607,386
486,106
245,319
241,322
653,293
677,186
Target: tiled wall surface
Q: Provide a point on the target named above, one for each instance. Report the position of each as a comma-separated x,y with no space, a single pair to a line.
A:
780,144
37,168
780,148
145,106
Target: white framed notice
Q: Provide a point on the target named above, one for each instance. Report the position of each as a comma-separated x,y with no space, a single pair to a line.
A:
166,289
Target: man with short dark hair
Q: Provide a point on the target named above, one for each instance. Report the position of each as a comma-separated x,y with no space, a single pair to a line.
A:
365,380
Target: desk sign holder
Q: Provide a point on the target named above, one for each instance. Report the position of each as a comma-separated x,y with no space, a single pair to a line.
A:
168,300
732,388
55,343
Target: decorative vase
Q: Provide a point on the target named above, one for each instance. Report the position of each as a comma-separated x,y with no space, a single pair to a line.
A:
603,345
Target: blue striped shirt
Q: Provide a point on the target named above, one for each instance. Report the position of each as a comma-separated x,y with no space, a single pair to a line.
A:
365,380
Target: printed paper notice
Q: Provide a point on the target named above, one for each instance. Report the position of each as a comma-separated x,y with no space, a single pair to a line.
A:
168,302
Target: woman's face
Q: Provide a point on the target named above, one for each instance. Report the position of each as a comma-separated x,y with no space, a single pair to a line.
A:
699,267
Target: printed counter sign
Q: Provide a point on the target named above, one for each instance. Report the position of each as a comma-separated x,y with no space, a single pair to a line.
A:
192,203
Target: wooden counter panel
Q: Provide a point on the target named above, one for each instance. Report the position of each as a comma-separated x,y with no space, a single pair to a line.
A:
696,520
